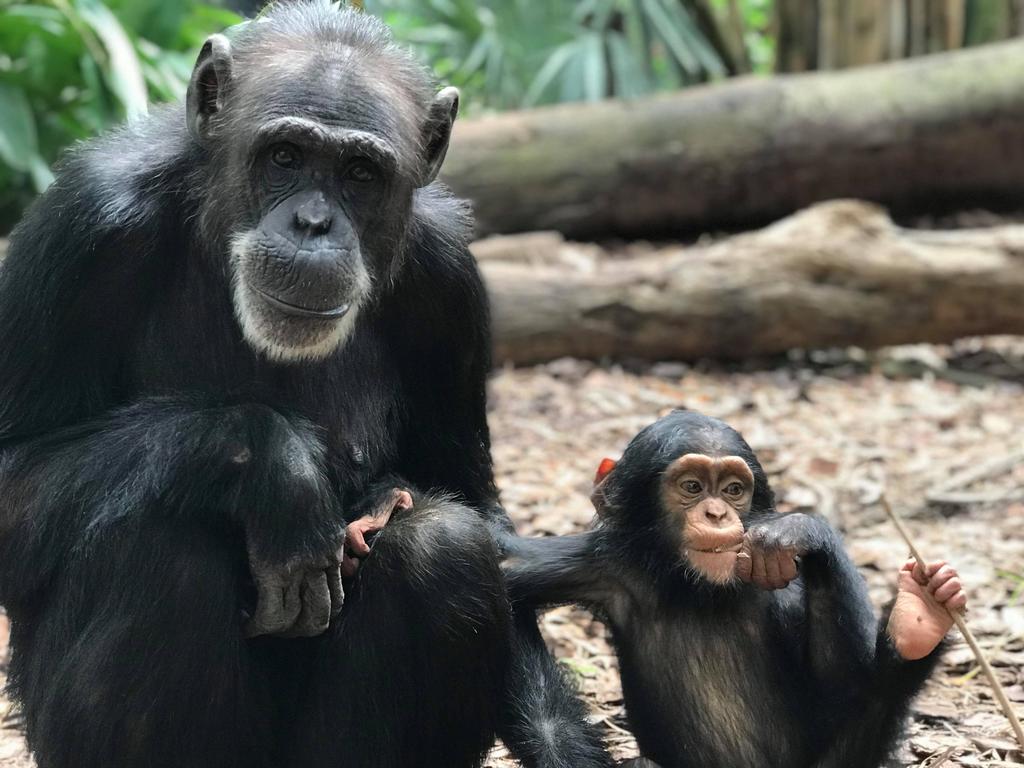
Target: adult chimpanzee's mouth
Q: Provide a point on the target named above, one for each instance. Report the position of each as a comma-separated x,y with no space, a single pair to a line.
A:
300,311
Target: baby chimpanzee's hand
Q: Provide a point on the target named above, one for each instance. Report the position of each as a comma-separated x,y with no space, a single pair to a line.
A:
919,618
771,547
356,546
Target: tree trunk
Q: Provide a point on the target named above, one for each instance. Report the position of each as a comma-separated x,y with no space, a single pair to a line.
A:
838,274
935,133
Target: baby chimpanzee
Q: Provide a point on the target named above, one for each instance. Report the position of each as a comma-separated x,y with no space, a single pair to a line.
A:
745,637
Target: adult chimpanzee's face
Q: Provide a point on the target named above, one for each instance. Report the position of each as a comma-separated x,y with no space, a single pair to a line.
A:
321,192
323,152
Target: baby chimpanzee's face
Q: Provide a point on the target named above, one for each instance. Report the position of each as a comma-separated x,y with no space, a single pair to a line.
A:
704,500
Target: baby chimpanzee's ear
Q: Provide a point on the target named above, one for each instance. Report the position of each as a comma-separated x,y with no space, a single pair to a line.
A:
597,497
606,466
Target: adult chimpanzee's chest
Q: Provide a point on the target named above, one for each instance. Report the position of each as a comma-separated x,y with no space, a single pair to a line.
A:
354,397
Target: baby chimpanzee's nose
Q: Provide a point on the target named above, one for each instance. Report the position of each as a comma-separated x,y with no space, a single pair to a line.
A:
715,512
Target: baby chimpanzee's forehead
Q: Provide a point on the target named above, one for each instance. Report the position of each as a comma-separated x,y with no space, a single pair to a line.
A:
683,432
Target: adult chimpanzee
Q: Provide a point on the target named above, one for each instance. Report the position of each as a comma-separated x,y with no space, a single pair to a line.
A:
221,331
718,670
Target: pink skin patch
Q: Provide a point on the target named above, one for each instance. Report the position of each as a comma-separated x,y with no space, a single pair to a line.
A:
920,617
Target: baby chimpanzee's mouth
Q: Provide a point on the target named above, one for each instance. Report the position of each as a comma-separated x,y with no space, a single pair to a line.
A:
720,549
295,309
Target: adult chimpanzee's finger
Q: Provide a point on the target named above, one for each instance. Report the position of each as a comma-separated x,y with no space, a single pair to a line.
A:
315,615
277,603
336,589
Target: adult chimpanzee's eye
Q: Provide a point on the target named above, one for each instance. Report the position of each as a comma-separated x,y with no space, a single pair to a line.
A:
284,155
361,171
733,489
691,486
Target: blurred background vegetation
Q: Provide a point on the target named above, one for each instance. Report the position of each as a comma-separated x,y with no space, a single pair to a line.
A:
71,68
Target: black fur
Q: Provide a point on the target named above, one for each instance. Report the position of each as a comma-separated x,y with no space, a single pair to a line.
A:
727,676
142,440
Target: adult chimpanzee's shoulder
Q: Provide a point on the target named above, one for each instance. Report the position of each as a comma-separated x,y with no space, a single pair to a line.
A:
122,180
442,229
80,267
440,283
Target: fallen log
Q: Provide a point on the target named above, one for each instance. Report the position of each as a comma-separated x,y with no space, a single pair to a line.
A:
838,274
924,135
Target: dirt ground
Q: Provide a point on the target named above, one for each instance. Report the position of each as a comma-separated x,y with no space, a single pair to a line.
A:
939,429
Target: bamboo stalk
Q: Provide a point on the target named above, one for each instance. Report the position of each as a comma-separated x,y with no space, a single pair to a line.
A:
997,688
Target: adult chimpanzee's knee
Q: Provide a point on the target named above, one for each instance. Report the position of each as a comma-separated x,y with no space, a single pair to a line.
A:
413,673
137,658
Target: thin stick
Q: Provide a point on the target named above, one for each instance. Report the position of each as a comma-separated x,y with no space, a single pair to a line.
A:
993,681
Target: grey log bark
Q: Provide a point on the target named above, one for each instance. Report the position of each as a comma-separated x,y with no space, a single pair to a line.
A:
944,131
838,274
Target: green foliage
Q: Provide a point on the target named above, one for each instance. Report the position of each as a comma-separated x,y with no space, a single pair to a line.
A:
514,53
71,68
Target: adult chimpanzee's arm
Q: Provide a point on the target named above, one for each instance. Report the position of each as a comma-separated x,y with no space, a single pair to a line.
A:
75,455
242,470
556,570
445,337
81,269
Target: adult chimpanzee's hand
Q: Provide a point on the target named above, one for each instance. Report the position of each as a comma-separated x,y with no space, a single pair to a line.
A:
292,521
771,548
297,598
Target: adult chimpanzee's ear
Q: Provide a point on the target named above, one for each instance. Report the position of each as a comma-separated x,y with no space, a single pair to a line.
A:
438,132
206,89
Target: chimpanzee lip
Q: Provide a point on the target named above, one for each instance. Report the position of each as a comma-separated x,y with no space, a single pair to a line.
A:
720,550
300,311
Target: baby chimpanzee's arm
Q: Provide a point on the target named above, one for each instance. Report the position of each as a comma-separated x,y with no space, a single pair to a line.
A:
839,623
556,570
868,672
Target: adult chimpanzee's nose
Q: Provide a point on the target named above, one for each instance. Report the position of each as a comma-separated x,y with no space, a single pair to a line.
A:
313,216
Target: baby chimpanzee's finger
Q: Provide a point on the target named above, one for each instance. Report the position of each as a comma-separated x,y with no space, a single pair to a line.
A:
957,602
948,589
940,577
788,567
744,565
773,571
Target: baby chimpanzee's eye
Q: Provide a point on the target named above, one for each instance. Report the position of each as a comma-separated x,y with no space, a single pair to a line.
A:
691,486
733,489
